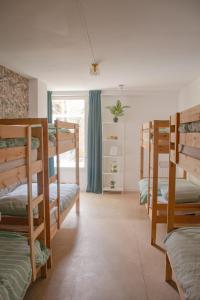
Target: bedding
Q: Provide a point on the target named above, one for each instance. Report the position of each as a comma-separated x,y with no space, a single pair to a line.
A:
143,188
186,192
21,141
190,127
14,203
182,246
18,142
15,265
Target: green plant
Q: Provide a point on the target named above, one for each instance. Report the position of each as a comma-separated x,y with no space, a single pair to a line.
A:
117,110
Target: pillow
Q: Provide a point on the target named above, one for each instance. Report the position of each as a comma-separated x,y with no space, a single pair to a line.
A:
185,192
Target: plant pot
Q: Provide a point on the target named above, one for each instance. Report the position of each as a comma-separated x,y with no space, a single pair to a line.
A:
115,119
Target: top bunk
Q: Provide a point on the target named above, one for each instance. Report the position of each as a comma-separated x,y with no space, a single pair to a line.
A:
21,150
62,137
156,134
185,140
58,138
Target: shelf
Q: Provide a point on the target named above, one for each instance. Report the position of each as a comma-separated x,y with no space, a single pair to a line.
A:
113,156
117,189
112,140
112,123
112,173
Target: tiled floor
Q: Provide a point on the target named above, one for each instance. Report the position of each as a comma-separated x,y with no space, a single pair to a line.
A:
105,254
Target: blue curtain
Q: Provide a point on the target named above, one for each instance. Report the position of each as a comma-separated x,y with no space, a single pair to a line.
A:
50,119
94,161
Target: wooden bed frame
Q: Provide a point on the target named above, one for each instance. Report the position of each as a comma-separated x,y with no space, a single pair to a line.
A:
159,143
30,226
64,143
156,143
72,142
189,164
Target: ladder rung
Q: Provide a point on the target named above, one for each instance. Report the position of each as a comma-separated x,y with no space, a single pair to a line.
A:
37,200
38,230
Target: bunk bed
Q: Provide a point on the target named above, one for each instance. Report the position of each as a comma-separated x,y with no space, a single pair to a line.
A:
57,139
62,196
183,244
17,165
145,139
154,189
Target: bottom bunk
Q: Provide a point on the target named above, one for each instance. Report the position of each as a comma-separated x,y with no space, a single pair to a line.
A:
186,191
14,203
15,264
183,250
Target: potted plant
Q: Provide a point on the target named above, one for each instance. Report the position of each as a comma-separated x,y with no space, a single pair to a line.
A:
117,110
112,184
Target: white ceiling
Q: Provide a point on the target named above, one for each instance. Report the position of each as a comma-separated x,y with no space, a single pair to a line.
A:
144,44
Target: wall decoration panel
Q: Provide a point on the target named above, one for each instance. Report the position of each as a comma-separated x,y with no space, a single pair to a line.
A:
13,94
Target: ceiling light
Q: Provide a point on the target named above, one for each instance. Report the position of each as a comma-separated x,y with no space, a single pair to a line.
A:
94,69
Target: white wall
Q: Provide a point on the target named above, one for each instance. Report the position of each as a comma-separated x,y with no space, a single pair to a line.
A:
37,99
189,95
143,108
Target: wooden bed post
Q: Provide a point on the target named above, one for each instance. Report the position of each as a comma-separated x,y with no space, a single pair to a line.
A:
171,192
41,191
141,155
46,188
30,208
155,183
77,164
149,168
58,171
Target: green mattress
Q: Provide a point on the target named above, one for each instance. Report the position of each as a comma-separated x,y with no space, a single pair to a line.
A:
183,247
20,142
15,265
186,191
190,127
143,188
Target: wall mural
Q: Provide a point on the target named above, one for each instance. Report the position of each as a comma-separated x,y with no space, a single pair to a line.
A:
13,94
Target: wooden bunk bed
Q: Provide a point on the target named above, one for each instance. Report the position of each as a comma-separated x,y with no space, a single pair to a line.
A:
16,166
157,143
145,138
182,244
67,138
56,139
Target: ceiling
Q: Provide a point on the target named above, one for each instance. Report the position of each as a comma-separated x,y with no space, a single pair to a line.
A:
143,44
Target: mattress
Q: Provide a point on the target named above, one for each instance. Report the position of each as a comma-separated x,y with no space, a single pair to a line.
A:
190,127
15,265
182,246
143,188
18,142
14,203
186,191
21,141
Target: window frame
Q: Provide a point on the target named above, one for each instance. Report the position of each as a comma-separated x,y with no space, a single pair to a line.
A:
76,97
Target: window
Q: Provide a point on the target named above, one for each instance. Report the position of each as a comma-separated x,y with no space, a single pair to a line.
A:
71,110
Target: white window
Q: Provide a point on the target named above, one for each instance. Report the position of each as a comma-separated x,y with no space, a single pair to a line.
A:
71,110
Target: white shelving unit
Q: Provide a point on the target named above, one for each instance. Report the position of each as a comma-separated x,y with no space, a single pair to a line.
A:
113,157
